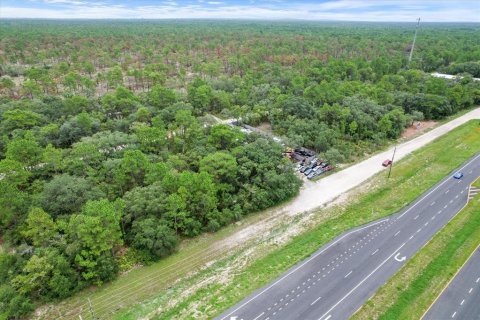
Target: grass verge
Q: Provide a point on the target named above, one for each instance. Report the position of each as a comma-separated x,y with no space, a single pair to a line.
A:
409,293
412,175
476,183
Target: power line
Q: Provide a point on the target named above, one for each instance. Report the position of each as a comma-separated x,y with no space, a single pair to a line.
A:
414,38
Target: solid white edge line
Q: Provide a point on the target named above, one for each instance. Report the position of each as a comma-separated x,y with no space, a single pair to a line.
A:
303,264
361,282
347,234
441,184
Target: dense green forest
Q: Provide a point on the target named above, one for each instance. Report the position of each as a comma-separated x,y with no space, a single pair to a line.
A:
110,155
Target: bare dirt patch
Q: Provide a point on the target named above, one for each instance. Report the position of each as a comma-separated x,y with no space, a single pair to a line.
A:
417,128
265,126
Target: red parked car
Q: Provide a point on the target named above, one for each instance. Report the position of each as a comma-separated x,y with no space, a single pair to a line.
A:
386,163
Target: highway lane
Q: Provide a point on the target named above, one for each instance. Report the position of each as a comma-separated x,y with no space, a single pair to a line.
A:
337,279
460,300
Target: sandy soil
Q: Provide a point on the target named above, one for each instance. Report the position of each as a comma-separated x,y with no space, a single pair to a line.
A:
317,194
335,189
418,128
277,225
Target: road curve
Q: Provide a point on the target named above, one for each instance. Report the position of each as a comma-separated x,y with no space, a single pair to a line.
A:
337,279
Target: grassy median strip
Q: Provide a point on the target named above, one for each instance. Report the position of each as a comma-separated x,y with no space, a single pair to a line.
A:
411,176
415,287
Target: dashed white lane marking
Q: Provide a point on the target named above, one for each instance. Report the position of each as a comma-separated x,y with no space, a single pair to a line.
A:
478,279
459,181
435,189
302,265
374,252
453,315
451,201
440,211
315,301
432,218
411,237
416,217
432,203
456,197
447,191
360,283
445,207
373,235
419,230
426,224
470,291
462,191
261,314
461,303
348,274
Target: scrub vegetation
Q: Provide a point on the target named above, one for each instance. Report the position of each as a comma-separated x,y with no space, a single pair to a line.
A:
110,156
412,175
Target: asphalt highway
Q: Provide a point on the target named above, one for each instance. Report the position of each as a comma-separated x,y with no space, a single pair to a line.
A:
460,300
337,279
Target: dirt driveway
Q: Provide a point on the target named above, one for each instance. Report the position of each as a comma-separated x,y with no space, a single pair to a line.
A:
317,194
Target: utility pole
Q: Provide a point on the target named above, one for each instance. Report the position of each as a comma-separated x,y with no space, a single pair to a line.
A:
414,38
391,164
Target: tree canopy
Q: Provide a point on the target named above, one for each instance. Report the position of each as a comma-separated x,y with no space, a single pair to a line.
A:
111,142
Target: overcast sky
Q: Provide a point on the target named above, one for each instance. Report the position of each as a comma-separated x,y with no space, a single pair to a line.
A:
354,10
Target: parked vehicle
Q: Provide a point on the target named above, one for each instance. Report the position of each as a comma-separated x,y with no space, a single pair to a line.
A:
328,168
315,174
302,169
307,172
387,163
